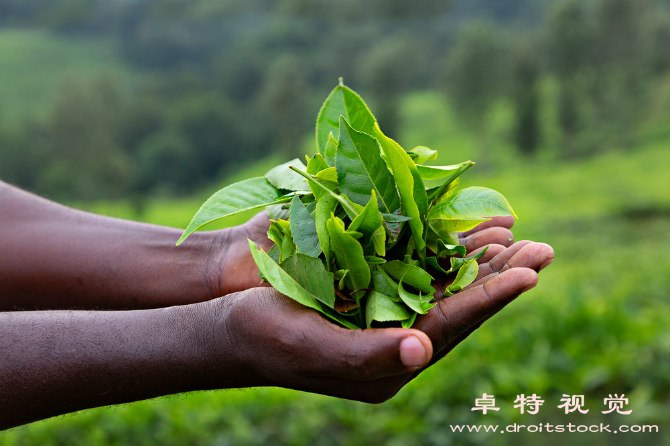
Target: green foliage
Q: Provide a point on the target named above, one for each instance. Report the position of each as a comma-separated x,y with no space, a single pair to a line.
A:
238,197
370,169
598,323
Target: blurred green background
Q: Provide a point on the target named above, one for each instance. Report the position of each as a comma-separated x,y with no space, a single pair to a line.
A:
140,109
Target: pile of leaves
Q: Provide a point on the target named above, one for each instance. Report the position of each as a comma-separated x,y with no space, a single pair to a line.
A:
357,228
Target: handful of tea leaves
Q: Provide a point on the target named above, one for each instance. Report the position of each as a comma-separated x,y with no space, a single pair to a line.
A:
357,227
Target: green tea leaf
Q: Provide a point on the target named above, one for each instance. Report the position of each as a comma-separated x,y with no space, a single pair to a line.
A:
342,101
433,262
439,192
423,154
372,260
395,218
379,241
324,208
446,250
466,275
472,203
384,284
382,308
437,172
285,284
280,233
415,301
281,280
352,209
337,317
412,275
282,177
407,323
310,273
328,176
399,163
303,228
360,169
314,166
458,262
369,220
348,254
277,211
331,148
238,197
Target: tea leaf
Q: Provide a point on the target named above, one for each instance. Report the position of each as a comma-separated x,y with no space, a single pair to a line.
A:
331,149
328,176
324,208
384,284
310,273
399,163
414,301
445,250
342,101
466,275
303,228
382,308
285,284
314,166
458,262
369,220
238,197
472,203
437,172
412,275
282,177
360,169
423,154
379,241
348,254
407,323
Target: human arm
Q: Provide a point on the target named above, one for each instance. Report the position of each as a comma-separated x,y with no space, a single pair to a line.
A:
56,257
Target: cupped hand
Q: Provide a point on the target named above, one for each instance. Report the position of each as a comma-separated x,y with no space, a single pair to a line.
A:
270,340
237,270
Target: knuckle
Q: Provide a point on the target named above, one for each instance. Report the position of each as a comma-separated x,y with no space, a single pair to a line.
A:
358,358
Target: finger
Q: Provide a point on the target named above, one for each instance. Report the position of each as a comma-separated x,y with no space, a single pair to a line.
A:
363,355
497,235
455,315
503,222
491,252
525,254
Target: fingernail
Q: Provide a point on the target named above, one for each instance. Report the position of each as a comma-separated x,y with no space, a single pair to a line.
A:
412,353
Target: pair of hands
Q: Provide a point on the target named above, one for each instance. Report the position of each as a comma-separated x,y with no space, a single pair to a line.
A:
177,335
278,342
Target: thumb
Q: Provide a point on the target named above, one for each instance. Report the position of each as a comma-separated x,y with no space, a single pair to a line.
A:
363,355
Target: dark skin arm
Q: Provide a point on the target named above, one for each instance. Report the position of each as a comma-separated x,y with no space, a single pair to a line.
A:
56,362
56,257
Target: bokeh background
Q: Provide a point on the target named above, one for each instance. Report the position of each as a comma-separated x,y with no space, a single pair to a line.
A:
141,109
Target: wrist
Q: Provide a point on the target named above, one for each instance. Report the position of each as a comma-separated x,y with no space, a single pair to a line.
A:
217,359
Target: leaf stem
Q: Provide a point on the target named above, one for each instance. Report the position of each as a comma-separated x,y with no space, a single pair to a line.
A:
345,204
466,165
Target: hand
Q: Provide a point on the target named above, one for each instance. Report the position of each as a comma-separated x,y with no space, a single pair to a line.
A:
272,340
238,271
